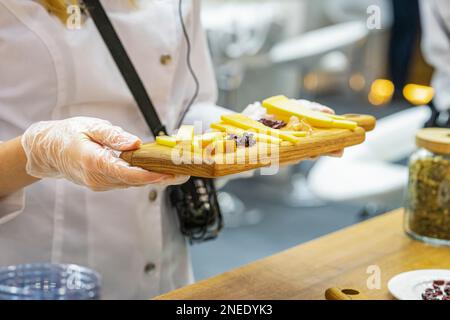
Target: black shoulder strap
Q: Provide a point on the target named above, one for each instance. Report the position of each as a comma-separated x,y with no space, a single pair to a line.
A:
128,71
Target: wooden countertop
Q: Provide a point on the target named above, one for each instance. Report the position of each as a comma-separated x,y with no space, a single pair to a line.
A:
340,259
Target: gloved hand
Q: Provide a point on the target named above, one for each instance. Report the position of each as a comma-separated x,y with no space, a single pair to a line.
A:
85,151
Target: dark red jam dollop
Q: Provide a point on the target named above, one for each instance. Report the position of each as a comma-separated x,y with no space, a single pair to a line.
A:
274,124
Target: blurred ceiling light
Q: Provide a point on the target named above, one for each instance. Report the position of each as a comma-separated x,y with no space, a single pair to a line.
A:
381,92
357,82
418,94
311,81
335,61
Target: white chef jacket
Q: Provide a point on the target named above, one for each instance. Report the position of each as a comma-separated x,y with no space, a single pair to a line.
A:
436,48
47,71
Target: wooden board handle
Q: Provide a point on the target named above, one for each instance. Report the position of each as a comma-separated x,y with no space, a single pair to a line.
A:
344,294
364,121
127,156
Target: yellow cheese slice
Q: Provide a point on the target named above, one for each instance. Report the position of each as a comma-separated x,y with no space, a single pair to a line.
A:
185,134
244,122
335,116
344,124
207,138
168,141
228,128
282,106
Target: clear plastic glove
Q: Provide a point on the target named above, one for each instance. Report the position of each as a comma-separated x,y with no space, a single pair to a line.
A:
86,152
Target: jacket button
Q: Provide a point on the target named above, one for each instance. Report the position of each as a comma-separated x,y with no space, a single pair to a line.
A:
165,59
149,267
152,195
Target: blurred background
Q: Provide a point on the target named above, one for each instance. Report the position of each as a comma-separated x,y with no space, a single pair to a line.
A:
355,56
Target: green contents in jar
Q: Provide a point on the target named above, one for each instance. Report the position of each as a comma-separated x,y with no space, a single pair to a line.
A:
429,197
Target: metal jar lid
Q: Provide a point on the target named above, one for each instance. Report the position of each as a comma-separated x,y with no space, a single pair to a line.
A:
436,140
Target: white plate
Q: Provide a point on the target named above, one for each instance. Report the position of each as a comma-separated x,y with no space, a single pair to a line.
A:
411,285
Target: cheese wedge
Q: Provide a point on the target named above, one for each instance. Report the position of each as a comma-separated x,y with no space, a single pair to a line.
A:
335,116
244,122
168,141
207,138
185,134
219,146
279,115
224,146
344,124
281,105
230,129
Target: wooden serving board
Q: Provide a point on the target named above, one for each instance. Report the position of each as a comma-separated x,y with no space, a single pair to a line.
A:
154,157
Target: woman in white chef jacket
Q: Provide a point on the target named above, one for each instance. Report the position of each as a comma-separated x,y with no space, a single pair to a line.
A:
48,72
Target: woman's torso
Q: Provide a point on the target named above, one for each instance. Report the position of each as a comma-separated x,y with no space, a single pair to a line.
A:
49,72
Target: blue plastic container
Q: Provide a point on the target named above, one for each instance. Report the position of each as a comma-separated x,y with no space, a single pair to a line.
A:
45,281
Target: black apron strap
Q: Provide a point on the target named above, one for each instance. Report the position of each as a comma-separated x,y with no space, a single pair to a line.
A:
126,67
195,201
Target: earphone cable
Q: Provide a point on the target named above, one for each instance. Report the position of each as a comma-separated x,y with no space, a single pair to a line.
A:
188,60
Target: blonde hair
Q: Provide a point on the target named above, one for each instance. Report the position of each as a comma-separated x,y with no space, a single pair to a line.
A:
58,7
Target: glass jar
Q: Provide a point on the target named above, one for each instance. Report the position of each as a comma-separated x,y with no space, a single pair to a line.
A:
44,281
428,196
